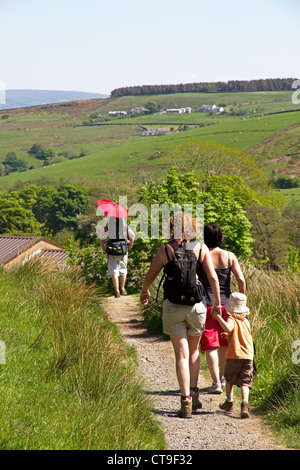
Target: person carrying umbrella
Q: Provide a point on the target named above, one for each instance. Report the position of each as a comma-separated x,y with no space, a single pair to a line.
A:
120,239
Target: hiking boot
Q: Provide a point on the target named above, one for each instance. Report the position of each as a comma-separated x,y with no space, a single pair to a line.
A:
215,388
227,406
123,292
196,403
117,295
186,408
245,410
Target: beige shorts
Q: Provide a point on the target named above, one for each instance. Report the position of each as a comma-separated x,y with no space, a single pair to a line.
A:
183,319
117,265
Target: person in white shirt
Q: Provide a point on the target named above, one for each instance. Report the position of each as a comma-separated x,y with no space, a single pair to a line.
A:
122,235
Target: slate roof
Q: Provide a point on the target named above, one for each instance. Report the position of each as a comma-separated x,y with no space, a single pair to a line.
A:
12,246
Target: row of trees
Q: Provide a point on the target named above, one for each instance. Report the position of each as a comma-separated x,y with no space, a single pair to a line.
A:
271,84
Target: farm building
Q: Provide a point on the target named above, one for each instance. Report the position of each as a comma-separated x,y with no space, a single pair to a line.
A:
157,131
117,113
139,110
179,110
17,250
210,107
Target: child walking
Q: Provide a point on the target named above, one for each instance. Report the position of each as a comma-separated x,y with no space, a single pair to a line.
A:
239,355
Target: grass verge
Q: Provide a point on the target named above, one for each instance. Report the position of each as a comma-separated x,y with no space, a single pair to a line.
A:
69,381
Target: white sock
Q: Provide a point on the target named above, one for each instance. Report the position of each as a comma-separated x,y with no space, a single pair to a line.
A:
229,396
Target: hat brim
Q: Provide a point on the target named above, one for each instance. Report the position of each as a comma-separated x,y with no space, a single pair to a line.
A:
245,310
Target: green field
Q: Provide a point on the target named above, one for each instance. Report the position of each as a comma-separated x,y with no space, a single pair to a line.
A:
117,142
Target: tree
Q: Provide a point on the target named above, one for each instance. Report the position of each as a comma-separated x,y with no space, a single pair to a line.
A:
43,206
16,220
210,158
152,107
29,195
41,153
12,163
68,202
220,206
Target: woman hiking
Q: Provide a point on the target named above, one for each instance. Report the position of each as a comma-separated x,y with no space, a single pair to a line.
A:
183,323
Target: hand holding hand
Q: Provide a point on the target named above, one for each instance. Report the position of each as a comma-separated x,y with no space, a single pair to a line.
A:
225,335
216,310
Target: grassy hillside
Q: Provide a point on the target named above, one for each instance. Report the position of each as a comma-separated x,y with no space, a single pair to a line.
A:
69,381
118,143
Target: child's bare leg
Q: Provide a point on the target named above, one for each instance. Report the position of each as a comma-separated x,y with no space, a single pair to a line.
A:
229,391
245,393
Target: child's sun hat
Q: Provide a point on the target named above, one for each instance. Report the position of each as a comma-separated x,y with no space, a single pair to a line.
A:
237,305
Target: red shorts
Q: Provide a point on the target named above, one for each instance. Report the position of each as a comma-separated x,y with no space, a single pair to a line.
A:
211,337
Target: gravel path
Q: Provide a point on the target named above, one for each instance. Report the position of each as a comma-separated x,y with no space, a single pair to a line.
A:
209,428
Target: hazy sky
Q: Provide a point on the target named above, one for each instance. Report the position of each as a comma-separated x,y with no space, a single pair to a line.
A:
99,45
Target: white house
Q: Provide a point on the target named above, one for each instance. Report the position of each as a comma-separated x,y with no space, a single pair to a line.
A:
117,113
210,107
178,110
139,110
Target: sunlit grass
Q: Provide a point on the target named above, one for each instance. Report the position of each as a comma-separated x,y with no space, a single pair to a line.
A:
69,381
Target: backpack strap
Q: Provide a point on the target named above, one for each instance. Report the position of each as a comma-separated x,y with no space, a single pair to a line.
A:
166,250
200,271
164,274
160,283
200,250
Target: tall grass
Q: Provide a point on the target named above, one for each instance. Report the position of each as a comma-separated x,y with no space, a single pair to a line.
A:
274,301
69,381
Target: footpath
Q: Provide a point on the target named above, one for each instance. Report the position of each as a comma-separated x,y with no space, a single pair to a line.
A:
210,428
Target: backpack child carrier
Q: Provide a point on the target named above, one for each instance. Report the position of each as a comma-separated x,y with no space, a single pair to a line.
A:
116,245
182,285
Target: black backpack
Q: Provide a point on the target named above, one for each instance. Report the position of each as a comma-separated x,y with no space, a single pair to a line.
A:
182,284
116,245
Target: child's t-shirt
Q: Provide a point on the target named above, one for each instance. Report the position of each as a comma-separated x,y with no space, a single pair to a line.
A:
240,339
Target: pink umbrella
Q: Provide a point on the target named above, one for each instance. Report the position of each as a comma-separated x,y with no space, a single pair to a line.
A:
112,209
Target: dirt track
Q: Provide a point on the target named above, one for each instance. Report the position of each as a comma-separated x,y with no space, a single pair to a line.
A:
209,428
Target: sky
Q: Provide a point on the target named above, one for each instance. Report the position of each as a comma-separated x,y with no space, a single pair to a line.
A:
99,45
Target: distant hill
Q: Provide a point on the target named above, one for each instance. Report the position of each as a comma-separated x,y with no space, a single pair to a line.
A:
25,98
